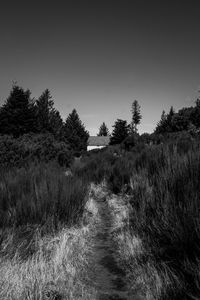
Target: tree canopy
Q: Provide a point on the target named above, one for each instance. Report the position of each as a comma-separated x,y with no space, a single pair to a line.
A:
103,130
75,133
136,116
48,118
120,132
185,119
17,115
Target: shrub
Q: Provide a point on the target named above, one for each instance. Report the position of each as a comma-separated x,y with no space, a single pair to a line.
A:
29,147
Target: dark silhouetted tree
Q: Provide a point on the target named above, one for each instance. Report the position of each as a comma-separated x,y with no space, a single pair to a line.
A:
17,115
48,118
103,130
162,124
120,132
195,114
136,116
145,138
75,133
169,119
166,123
56,123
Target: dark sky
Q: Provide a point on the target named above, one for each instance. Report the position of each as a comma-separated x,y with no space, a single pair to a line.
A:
99,56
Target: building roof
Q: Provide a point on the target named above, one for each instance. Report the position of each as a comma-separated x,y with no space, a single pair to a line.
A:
98,141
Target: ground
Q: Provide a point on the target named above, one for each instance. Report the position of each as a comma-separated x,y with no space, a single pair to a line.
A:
84,262
105,272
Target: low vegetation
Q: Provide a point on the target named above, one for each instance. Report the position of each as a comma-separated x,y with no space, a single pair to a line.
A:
162,184
43,243
44,233
35,194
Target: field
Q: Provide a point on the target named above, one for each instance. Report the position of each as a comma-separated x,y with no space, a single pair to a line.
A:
54,228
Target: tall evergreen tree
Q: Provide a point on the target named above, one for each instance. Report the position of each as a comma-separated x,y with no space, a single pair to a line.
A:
120,132
17,115
169,120
195,114
103,130
55,123
75,133
136,116
161,125
48,118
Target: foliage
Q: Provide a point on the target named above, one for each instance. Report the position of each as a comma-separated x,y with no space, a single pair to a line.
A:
17,115
145,138
74,132
185,119
130,141
120,132
136,116
33,147
103,130
48,118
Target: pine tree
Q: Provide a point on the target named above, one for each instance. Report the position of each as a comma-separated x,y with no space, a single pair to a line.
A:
169,120
162,124
75,133
44,105
17,115
120,132
48,118
195,114
103,130
55,123
136,116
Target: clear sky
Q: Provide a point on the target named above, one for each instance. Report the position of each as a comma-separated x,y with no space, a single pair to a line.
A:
99,56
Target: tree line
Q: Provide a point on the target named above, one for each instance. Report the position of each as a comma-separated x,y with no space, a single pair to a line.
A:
21,114
121,129
187,118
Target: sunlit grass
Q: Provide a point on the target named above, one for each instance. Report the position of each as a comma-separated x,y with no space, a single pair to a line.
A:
57,267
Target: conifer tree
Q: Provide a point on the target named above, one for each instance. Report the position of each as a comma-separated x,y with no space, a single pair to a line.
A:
136,116
48,118
120,132
75,133
169,120
162,124
103,130
17,115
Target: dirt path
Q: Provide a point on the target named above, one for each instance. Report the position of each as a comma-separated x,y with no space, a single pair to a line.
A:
107,277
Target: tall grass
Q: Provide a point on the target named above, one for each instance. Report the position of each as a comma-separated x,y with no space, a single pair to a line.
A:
38,197
57,270
163,183
33,195
111,165
166,216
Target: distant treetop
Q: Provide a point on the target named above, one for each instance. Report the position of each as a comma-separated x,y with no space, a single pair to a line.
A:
103,130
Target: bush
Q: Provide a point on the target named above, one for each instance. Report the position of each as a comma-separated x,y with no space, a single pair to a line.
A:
29,147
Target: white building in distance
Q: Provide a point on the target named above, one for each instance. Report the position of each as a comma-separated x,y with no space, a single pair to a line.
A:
97,142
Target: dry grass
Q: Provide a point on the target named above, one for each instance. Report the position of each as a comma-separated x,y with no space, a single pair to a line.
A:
58,267
143,275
